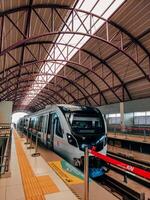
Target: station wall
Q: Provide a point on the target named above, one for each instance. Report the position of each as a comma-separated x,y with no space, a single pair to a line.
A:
140,105
5,112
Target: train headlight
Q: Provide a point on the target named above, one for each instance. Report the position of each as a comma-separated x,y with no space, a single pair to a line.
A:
71,140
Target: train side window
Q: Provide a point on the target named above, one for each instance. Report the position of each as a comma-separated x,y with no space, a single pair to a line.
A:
49,124
32,124
40,122
36,123
58,129
46,124
43,125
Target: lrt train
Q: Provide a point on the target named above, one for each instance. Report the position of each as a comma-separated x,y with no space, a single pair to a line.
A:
67,129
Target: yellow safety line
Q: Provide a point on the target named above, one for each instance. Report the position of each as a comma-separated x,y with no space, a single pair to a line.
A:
34,186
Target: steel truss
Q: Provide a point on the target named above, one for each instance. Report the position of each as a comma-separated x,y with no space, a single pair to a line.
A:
12,77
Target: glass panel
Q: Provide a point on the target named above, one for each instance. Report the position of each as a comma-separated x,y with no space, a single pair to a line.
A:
58,128
86,123
112,115
148,120
148,113
141,120
139,114
49,124
136,120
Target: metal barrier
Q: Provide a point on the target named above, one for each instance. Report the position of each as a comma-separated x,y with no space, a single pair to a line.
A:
132,169
131,131
135,170
86,174
27,138
36,153
4,164
5,134
31,145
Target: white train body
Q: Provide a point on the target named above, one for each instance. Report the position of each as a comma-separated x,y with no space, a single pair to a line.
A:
67,129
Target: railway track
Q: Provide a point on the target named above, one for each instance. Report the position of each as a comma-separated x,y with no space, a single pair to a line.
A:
120,190
129,160
127,174
131,176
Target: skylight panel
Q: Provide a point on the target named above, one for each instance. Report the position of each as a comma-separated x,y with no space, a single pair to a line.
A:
86,5
102,8
112,9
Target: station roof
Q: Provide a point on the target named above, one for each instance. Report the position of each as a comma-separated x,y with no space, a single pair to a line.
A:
76,52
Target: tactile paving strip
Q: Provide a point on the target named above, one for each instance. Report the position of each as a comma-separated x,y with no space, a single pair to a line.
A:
35,187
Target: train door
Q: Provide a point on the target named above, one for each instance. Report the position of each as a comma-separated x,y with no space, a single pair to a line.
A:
58,140
50,132
39,122
44,128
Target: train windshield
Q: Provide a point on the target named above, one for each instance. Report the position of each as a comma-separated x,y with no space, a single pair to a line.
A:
85,122
86,125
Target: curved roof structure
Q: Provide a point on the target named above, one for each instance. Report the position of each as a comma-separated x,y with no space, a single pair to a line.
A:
66,52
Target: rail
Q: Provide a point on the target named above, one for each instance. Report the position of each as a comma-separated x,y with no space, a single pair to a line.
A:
135,170
120,187
5,136
4,166
132,161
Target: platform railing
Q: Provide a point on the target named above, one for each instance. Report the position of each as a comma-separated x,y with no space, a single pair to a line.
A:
4,166
5,134
143,132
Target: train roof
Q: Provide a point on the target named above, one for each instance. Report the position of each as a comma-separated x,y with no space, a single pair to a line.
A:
64,107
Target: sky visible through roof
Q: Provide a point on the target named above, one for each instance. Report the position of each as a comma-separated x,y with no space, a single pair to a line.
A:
102,8
17,116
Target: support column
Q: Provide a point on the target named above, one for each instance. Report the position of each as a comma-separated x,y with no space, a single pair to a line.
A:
122,118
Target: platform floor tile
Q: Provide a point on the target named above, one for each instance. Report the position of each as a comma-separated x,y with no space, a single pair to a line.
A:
14,192
34,187
65,195
41,168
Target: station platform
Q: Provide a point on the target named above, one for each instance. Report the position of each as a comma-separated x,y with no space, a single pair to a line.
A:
129,137
30,177
131,184
129,153
41,178
128,141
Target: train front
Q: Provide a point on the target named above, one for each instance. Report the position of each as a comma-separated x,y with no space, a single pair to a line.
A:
88,128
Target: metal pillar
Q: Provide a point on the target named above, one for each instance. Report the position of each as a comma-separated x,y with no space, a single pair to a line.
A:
115,132
36,147
144,136
86,174
27,138
122,119
125,178
30,147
